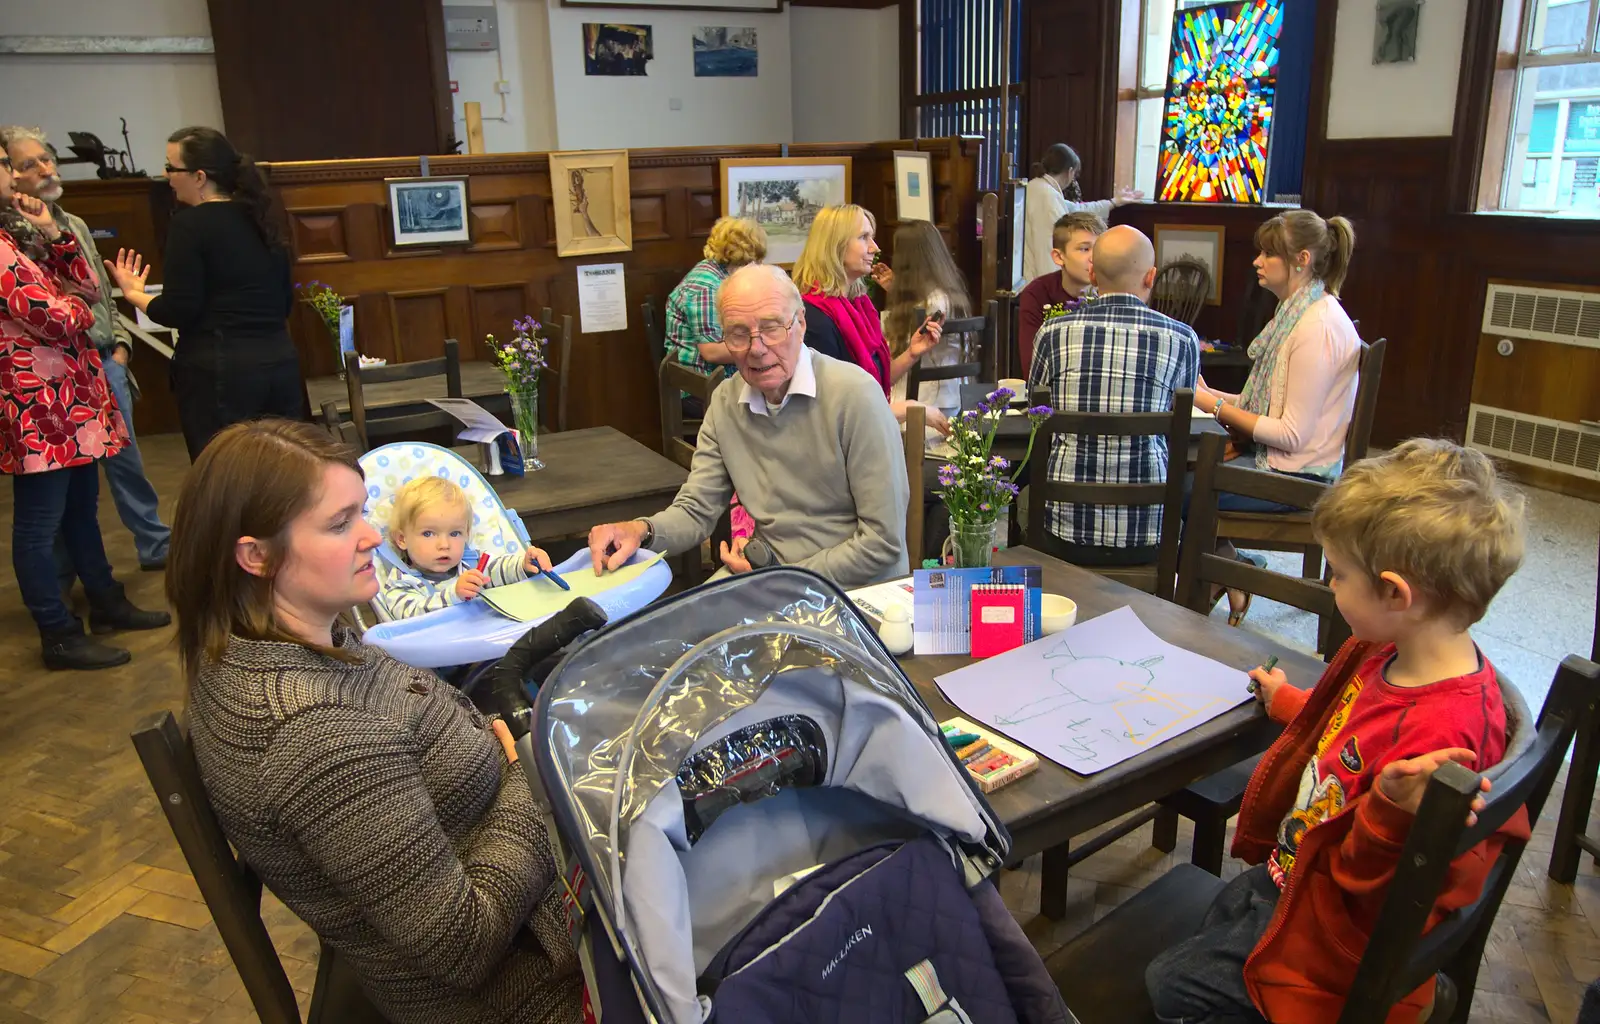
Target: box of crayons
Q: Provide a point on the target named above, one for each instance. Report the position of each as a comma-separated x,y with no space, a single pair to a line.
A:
990,759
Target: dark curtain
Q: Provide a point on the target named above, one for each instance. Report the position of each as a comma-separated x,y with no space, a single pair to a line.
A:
1286,153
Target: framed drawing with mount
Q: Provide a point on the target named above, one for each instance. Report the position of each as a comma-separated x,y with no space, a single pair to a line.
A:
589,190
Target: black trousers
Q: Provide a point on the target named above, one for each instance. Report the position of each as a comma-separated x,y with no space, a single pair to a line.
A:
227,383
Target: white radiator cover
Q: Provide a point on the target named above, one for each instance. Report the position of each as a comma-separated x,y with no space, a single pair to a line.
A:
1544,314
1569,448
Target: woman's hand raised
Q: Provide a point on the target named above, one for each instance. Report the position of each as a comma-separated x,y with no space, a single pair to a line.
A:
37,214
926,337
129,271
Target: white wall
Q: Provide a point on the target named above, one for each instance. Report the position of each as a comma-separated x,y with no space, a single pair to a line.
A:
1395,100
602,112
846,74
523,120
158,93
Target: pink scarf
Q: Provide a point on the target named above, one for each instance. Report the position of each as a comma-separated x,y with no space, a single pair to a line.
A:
858,323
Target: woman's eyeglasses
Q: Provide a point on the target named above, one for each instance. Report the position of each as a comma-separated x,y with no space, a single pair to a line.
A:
171,170
772,332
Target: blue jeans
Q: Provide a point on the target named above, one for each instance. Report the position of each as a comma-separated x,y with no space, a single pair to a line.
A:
65,502
1201,979
131,491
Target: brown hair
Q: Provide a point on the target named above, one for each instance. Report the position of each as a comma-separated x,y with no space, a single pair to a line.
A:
1330,243
821,262
252,480
922,265
1435,513
1071,223
736,241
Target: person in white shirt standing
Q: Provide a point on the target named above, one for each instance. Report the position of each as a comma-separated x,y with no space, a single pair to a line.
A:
1053,192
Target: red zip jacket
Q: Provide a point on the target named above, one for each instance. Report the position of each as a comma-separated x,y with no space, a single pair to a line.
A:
1305,963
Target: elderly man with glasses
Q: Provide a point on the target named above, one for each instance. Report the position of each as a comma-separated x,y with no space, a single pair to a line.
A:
807,441
33,166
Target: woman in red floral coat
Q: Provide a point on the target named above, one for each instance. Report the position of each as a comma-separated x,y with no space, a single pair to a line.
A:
56,418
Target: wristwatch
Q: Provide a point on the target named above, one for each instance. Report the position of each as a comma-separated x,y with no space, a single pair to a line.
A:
1216,413
649,533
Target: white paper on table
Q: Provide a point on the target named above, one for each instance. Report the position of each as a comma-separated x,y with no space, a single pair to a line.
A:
602,298
1097,694
876,599
1196,414
480,423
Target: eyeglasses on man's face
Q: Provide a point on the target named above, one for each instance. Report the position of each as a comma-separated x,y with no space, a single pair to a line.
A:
30,165
773,332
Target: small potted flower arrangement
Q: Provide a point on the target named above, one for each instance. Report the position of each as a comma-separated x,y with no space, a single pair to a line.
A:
328,304
977,490
522,359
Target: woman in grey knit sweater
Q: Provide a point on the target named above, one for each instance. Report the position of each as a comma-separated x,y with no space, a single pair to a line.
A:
372,798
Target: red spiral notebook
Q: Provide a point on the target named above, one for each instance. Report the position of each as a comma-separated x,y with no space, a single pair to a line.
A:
998,621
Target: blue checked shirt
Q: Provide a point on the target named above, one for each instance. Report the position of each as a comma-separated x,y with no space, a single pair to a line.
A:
1112,354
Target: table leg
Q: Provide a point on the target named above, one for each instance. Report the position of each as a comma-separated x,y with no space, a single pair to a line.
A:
1053,881
1164,831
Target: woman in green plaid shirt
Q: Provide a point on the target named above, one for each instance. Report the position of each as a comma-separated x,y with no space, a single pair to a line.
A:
694,338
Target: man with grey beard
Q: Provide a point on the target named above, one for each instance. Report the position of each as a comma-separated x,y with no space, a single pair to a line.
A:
33,165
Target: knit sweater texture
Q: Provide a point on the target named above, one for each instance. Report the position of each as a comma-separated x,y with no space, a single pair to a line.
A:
824,478
373,799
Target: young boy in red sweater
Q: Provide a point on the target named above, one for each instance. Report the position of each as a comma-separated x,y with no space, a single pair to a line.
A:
1418,541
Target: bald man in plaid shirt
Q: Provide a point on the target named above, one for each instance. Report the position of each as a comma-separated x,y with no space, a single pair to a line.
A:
1113,354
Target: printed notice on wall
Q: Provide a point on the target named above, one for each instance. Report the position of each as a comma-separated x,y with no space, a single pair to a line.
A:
602,299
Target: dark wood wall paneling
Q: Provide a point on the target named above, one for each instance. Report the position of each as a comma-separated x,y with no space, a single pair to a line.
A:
1070,74
408,301
310,80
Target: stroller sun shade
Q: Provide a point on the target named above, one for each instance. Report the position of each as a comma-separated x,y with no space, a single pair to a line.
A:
707,749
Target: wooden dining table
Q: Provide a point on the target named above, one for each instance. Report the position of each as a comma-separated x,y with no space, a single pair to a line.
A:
480,381
1045,810
591,476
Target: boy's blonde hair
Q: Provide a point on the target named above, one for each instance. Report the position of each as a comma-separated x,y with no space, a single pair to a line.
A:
1434,512
426,492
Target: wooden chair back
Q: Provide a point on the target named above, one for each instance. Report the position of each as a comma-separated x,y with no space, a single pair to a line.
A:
1398,957
1202,568
403,427
915,449
1369,374
655,329
674,378
341,428
1181,288
1173,427
977,335
1572,839
553,400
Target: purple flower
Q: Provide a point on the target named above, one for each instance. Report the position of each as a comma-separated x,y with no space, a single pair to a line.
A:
982,408
983,506
1041,411
1000,396
999,462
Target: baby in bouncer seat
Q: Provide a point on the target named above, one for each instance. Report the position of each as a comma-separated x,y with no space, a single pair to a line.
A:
425,564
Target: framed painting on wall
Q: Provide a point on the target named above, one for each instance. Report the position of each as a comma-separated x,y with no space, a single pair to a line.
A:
1201,243
429,211
589,192
783,195
913,185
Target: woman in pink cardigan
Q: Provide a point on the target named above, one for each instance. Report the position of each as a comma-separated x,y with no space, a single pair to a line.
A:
1296,403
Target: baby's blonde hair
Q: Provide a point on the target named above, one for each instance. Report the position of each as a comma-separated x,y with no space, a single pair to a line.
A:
422,493
1437,514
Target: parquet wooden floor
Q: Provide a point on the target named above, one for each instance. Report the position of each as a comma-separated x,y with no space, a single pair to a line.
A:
100,920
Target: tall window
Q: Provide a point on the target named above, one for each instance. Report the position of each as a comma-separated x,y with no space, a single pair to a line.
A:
1554,153
959,76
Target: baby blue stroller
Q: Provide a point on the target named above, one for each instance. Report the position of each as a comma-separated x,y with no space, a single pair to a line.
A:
760,823
470,632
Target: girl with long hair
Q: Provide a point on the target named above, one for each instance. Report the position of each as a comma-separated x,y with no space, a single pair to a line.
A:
226,290
925,278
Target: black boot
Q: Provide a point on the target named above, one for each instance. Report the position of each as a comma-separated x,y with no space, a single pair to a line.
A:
110,610
70,649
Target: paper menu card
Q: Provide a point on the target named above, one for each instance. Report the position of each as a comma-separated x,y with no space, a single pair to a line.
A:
876,599
481,424
538,596
942,623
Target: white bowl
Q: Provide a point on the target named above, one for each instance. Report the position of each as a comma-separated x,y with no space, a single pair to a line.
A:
1057,613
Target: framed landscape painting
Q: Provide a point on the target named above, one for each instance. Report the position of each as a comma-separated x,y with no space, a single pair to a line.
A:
783,195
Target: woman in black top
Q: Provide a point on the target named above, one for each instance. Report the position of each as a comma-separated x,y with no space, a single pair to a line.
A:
227,291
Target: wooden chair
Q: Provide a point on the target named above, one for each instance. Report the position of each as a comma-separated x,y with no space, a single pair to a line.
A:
341,428
1155,578
1210,802
1291,531
1572,840
407,426
1102,971
1181,289
983,328
673,378
553,413
233,892
655,329
916,449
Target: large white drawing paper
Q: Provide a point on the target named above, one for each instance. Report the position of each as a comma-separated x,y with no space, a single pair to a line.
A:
1097,694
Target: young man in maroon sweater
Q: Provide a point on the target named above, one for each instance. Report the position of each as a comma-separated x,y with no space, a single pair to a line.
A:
1419,541
1072,243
